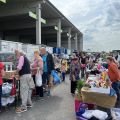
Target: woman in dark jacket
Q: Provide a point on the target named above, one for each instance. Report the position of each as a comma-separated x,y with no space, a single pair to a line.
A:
74,74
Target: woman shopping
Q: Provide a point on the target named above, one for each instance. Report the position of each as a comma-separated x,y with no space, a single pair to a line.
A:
37,70
74,74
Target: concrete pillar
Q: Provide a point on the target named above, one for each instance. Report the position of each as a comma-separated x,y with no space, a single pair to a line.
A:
59,33
76,41
69,39
81,43
38,24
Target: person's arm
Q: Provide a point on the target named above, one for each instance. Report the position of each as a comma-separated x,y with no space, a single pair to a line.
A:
3,72
20,63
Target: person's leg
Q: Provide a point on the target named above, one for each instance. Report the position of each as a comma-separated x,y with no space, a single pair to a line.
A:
44,79
82,72
48,81
0,97
24,90
115,86
72,87
29,101
37,91
41,91
63,76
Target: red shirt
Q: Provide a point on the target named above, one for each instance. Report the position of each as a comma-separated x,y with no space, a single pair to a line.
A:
1,68
113,72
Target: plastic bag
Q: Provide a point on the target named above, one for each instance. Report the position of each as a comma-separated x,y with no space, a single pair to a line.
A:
38,79
56,78
6,89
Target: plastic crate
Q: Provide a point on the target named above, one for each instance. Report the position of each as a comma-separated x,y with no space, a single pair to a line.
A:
115,113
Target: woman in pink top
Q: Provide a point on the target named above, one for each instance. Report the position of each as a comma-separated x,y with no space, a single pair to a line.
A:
37,65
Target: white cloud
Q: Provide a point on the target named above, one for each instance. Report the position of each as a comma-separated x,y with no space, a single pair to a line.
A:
99,20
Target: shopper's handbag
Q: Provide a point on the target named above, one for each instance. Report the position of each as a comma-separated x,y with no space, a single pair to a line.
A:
83,65
38,79
56,78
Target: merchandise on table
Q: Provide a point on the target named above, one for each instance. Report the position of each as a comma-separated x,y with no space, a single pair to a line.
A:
99,83
6,94
115,112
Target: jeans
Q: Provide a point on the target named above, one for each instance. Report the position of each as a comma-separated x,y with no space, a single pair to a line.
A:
82,72
45,81
0,96
45,78
63,76
115,86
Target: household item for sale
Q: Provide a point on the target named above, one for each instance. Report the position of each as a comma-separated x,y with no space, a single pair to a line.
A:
6,89
115,112
100,114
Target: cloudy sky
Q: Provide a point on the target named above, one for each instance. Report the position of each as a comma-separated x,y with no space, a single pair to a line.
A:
99,20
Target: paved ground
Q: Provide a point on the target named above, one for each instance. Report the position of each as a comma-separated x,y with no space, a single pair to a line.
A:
60,106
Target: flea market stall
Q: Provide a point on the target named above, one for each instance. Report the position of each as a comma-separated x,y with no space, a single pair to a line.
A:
95,98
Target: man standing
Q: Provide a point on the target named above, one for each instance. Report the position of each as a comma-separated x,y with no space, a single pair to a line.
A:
48,66
114,75
26,82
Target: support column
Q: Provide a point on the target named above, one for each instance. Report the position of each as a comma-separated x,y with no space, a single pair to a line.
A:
38,24
76,41
81,43
69,39
59,33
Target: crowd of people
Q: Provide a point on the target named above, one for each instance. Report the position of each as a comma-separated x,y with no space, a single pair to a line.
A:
44,63
82,62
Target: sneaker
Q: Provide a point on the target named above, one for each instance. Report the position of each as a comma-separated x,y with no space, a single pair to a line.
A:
20,110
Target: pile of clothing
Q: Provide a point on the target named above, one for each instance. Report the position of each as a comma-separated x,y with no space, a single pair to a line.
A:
6,94
88,112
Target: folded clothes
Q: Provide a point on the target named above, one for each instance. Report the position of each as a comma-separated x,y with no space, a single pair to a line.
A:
88,114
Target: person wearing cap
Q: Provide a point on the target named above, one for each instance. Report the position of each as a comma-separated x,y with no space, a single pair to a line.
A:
74,74
26,81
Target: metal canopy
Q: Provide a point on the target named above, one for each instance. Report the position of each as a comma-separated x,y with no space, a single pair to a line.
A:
49,11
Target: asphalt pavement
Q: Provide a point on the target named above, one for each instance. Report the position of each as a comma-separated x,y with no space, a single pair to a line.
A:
60,106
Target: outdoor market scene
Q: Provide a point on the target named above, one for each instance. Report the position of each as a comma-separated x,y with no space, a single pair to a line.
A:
58,61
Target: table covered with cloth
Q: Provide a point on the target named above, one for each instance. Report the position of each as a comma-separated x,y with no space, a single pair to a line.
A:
100,99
